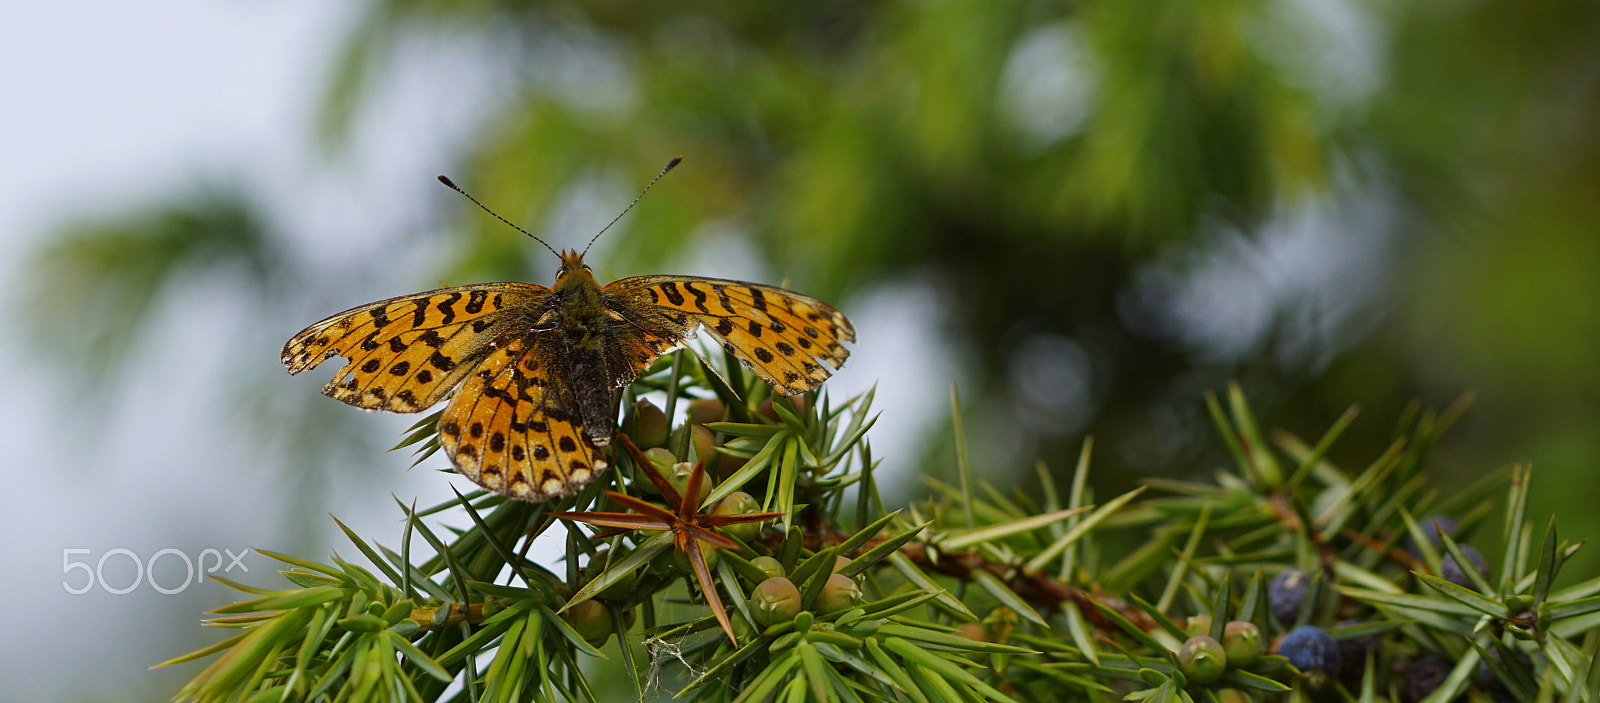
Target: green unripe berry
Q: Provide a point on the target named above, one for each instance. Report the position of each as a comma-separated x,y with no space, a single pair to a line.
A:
1198,625
704,410
661,462
679,478
1203,659
739,503
839,593
591,620
647,425
1242,642
661,458
769,566
705,444
705,449
775,600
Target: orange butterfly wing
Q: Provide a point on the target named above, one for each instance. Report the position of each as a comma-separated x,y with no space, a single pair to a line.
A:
791,341
511,427
406,353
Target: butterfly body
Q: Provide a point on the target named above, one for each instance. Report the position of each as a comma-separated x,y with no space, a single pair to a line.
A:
533,369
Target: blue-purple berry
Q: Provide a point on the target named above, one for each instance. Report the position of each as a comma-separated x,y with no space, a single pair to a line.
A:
1287,593
1430,527
1310,649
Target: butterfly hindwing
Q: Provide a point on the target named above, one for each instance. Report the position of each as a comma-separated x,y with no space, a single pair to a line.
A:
510,429
791,341
406,353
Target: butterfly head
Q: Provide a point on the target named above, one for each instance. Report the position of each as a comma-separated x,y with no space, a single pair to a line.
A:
573,271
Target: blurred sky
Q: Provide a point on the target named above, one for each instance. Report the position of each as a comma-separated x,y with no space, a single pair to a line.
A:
113,106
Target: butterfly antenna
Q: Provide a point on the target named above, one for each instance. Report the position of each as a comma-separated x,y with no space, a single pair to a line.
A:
670,165
456,188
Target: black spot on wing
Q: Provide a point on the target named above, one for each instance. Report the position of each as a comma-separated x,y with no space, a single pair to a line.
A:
445,363
670,290
699,296
475,301
445,307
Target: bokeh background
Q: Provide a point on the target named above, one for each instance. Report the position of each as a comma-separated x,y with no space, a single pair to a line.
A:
1081,215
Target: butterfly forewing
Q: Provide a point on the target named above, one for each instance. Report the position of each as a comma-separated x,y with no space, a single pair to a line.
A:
406,353
793,342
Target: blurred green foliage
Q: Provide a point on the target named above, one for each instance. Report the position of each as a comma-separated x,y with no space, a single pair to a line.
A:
1036,162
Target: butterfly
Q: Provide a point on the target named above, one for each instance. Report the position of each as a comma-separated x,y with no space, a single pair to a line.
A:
533,369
